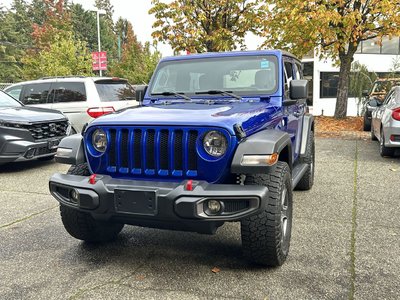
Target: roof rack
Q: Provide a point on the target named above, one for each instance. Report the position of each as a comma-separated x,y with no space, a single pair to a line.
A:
69,76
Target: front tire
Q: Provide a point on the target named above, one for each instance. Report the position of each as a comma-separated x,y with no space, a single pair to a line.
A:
367,123
81,225
266,236
373,137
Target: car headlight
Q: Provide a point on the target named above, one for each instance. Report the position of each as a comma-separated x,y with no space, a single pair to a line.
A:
99,140
215,143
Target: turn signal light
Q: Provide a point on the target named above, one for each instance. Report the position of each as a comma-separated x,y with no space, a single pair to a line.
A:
96,112
259,160
396,114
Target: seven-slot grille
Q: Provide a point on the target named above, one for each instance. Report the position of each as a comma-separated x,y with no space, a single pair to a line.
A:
153,151
48,130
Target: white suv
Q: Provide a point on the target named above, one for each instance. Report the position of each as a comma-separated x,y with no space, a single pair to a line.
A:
80,98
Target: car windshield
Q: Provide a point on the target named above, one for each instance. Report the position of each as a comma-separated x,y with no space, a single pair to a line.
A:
241,75
8,101
384,86
114,90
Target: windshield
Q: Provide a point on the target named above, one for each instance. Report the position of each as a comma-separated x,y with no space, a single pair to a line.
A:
384,86
112,90
8,101
242,75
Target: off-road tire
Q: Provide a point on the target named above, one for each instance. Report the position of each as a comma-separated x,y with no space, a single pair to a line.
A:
266,236
383,150
367,123
83,227
373,137
81,169
307,181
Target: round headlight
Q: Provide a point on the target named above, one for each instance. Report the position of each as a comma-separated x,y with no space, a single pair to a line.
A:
215,143
99,140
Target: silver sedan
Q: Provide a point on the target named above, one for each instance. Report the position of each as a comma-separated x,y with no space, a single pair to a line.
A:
385,125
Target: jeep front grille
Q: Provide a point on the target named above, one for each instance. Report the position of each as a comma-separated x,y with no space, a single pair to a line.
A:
153,152
48,130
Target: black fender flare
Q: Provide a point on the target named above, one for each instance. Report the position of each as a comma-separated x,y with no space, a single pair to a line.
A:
71,151
308,126
265,142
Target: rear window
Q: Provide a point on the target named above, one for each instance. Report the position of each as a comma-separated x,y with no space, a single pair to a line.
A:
114,90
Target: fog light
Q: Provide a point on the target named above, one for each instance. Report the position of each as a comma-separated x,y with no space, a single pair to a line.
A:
30,153
74,196
213,206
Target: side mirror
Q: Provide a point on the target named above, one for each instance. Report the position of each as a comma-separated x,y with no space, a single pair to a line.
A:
299,89
140,92
365,93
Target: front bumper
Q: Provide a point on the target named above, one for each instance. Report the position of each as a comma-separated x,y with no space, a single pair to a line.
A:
158,204
22,150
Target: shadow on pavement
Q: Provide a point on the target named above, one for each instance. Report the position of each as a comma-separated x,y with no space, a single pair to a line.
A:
24,165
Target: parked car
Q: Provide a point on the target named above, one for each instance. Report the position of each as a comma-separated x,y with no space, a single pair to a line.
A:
81,99
220,137
28,133
385,125
375,97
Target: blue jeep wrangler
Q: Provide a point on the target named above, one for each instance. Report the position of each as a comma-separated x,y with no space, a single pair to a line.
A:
218,137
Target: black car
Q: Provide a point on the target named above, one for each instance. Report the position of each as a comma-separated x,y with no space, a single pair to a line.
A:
28,133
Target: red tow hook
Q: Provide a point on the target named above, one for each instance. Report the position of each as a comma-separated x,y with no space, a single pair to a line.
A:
92,179
189,185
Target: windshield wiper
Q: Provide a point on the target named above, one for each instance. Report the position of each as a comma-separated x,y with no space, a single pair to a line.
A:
220,92
169,93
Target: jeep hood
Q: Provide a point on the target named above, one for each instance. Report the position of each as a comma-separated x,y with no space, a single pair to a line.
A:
25,114
251,115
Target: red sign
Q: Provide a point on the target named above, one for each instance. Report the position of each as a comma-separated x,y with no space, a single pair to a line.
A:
99,60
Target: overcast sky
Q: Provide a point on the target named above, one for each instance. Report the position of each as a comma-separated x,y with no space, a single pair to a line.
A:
137,13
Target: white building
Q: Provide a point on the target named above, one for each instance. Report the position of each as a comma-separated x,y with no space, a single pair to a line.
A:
323,75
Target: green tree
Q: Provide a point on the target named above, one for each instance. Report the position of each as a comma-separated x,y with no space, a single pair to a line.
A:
11,48
138,62
199,26
335,27
64,56
84,25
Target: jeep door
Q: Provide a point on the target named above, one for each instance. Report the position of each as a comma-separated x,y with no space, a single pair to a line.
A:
293,114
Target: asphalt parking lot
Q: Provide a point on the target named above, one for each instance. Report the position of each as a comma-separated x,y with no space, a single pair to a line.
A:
345,242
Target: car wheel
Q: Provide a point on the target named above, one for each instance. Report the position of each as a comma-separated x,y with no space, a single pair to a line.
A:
373,137
81,225
383,150
307,181
266,236
367,123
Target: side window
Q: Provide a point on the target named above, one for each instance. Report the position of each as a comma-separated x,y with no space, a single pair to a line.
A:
288,75
389,97
36,93
15,92
68,92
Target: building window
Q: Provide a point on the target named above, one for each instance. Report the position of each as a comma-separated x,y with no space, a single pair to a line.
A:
329,84
371,47
390,46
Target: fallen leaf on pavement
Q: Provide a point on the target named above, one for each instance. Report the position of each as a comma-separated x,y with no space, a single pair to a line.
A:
215,270
393,170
